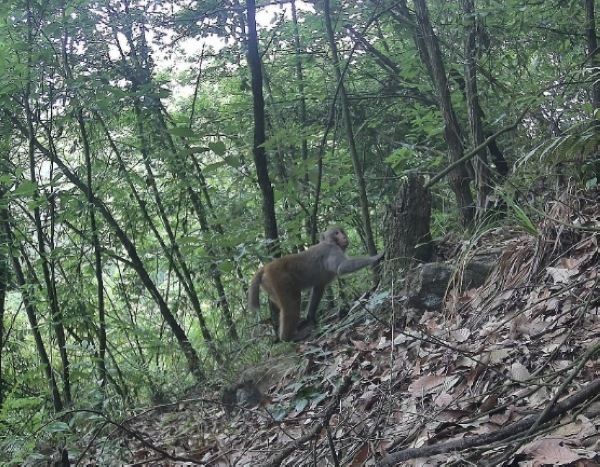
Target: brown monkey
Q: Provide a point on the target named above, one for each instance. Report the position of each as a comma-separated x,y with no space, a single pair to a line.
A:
285,278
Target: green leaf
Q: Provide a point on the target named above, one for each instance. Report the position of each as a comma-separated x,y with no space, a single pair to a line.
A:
182,131
226,267
591,183
212,167
36,203
301,404
232,161
522,217
218,147
194,150
57,427
163,93
342,181
278,413
189,239
317,400
25,188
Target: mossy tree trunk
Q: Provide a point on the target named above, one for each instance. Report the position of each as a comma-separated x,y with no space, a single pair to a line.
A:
406,229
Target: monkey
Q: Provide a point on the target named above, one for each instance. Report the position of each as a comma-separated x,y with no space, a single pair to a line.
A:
285,278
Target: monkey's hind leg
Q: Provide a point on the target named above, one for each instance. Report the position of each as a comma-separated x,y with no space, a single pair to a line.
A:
275,313
289,315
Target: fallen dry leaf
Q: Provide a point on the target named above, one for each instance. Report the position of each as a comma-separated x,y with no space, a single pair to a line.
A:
425,384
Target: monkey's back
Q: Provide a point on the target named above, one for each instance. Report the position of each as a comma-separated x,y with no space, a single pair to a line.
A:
316,265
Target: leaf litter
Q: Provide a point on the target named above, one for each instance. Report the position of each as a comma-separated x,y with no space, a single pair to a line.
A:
507,374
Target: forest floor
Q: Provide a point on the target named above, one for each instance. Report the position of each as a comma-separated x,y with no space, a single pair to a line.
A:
506,374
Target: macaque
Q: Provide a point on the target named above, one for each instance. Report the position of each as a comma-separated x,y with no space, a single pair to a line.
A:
285,278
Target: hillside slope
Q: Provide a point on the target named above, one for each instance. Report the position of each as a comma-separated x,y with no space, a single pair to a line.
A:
506,374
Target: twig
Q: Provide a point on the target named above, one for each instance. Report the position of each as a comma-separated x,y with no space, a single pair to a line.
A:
544,415
291,447
334,456
136,435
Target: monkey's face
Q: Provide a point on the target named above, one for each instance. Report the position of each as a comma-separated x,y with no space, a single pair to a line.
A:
340,238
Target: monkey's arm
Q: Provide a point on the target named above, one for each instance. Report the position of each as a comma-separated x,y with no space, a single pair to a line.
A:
313,303
349,265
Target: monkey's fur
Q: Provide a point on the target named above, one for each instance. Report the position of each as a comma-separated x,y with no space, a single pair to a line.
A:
285,278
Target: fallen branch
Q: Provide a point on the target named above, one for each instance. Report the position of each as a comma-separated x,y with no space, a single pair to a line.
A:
591,390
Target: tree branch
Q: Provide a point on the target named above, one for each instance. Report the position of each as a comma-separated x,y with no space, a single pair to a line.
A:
476,150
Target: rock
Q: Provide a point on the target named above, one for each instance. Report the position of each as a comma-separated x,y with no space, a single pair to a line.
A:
428,283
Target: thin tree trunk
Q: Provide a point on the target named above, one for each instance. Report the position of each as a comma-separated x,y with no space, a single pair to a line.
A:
215,272
281,149
180,267
302,119
136,262
500,162
55,312
49,279
3,286
592,50
459,179
258,150
358,171
98,264
31,312
480,162
173,254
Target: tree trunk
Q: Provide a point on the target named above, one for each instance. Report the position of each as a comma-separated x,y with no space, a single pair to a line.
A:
136,262
31,312
258,150
459,179
3,285
55,311
406,228
302,118
592,50
139,76
480,162
98,264
358,171
56,317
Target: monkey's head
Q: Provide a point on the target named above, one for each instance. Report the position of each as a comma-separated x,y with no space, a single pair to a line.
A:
336,236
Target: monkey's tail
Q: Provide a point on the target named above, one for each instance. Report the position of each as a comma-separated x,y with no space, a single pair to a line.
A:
254,291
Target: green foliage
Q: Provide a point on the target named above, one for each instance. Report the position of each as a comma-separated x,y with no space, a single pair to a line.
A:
521,216
135,135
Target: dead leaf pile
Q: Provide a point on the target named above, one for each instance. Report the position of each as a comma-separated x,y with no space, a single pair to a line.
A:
508,374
